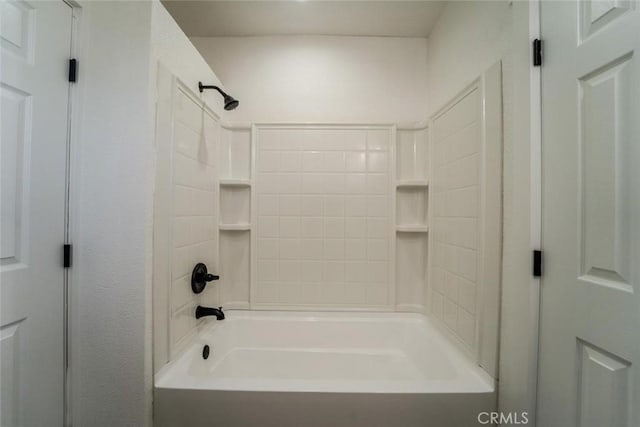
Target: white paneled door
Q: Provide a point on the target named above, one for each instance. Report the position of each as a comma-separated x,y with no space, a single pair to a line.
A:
590,315
35,44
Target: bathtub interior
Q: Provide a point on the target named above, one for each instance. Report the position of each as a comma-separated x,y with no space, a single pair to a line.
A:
324,352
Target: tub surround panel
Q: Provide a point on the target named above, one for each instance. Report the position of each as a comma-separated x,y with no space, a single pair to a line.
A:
186,231
323,216
457,146
466,220
195,211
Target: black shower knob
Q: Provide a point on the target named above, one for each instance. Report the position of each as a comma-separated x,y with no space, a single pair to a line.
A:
200,276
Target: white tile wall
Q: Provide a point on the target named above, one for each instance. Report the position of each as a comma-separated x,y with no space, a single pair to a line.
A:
195,192
323,216
456,185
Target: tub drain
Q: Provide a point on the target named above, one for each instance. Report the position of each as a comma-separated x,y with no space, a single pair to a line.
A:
205,352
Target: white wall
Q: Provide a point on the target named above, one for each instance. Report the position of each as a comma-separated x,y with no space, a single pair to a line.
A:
113,170
321,78
110,186
468,38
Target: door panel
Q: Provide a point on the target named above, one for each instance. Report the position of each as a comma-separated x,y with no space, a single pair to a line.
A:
590,307
35,45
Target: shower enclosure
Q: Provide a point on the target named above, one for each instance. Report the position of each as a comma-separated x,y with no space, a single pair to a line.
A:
358,263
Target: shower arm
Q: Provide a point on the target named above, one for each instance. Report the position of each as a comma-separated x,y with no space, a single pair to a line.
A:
202,87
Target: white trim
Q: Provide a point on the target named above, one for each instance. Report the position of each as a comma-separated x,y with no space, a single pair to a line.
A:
235,126
323,308
535,129
318,125
410,308
490,261
74,117
392,290
162,216
421,125
253,240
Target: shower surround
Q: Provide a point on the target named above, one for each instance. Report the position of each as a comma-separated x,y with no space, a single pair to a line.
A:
317,220
323,215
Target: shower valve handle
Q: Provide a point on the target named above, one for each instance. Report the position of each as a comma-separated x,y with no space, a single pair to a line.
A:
199,278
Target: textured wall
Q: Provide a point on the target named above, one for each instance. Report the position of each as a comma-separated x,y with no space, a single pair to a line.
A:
113,170
110,185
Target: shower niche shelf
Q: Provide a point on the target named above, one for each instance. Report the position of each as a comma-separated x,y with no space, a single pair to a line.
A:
235,183
411,209
235,206
411,270
235,154
412,229
235,267
412,217
412,183
235,227
412,156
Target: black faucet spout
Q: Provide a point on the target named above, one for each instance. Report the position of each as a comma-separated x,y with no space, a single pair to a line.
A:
209,311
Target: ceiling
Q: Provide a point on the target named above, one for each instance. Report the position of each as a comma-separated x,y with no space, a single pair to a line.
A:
211,18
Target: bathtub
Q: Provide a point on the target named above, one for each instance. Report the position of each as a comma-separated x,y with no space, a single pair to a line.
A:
321,369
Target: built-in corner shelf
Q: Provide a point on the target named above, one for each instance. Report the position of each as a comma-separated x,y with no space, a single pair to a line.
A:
235,183
236,186
235,227
412,229
412,183
411,217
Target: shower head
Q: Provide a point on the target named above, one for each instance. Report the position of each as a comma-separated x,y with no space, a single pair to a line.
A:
230,103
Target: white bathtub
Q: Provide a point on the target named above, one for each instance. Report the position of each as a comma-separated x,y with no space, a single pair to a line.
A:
321,369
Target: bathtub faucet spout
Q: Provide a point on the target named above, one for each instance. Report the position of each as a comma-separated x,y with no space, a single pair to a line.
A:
209,311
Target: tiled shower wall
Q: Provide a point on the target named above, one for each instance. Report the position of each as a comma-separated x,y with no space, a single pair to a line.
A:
455,226
185,212
323,213
195,192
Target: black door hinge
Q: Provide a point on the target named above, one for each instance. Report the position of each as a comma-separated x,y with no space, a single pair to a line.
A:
537,52
73,70
537,263
67,255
